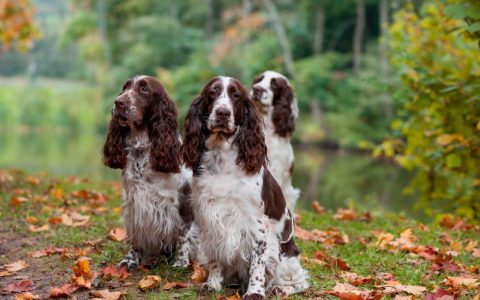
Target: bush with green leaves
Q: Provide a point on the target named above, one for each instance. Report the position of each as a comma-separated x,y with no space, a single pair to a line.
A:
438,129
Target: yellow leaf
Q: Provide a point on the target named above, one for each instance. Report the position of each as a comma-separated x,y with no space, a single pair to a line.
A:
149,282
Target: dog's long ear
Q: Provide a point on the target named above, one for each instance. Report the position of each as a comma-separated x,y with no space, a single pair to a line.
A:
114,152
194,134
250,139
164,135
283,117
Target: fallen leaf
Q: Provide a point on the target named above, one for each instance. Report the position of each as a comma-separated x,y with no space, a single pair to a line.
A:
149,282
355,279
346,214
318,208
399,288
458,281
26,296
347,291
33,180
32,220
175,284
34,228
105,295
118,234
17,201
476,253
328,238
440,294
112,271
18,287
385,277
47,251
235,296
83,275
63,291
200,274
94,242
14,267
398,297
58,193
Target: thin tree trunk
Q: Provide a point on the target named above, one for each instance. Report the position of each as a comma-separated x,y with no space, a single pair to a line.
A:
384,65
102,25
358,37
214,17
319,28
341,28
282,36
247,9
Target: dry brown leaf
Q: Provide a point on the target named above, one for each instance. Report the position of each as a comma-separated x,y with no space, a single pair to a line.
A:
112,271
476,253
235,296
32,220
105,295
58,193
33,180
12,268
318,208
17,201
459,281
395,287
18,287
328,238
355,279
347,291
149,282
47,251
200,274
175,284
118,234
63,291
398,297
346,214
26,296
34,228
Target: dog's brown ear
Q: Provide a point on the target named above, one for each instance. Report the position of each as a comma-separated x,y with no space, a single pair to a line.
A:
250,139
283,117
194,135
114,152
163,130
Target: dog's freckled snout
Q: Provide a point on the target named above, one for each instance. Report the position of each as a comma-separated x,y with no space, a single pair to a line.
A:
120,103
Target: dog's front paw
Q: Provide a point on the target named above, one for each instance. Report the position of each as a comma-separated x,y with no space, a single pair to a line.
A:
131,265
181,263
253,296
209,287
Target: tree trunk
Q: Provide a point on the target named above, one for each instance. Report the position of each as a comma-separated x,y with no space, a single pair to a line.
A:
319,28
358,37
247,10
384,64
214,17
282,36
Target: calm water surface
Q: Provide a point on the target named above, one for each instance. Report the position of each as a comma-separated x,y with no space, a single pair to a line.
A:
334,178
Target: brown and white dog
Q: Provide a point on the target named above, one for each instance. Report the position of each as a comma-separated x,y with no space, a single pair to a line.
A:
246,229
274,96
143,141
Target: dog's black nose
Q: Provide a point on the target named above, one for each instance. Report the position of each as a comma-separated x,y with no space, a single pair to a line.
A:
120,102
222,113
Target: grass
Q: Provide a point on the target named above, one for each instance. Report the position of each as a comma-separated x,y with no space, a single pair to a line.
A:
360,254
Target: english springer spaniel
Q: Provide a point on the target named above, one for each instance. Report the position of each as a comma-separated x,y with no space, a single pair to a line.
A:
274,97
246,230
143,141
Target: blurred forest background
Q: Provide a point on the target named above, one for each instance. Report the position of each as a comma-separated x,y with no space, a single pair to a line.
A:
398,79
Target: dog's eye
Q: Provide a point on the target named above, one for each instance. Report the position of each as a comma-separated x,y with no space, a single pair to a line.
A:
212,93
144,89
236,95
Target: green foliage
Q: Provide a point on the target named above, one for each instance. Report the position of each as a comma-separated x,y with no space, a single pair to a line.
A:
440,69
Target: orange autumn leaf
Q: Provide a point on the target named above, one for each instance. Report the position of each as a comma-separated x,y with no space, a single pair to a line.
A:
18,287
318,208
347,291
235,296
400,288
149,282
345,214
58,193
83,275
16,201
459,281
63,291
112,271
33,180
26,296
118,234
47,251
175,285
355,279
200,274
32,220
33,228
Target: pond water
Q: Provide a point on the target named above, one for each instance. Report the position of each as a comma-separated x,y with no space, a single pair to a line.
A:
334,178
